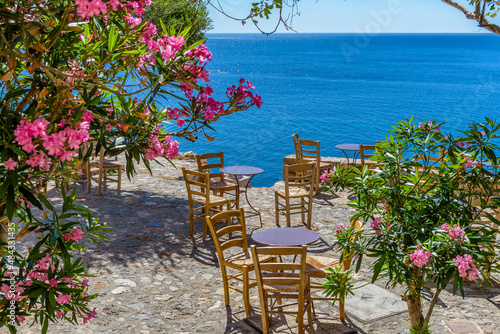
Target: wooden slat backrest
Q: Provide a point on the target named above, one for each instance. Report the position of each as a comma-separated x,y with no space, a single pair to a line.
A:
210,165
299,176
240,240
283,273
309,151
295,138
364,155
196,180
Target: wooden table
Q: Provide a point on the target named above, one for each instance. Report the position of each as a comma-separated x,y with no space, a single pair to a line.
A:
349,147
285,236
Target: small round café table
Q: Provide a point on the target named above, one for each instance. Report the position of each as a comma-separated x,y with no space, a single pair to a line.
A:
244,171
285,236
349,147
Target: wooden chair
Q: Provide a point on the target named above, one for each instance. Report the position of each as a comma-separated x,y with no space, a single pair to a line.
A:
219,186
364,155
296,139
309,152
282,280
241,262
198,189
101,168
299,185
316,268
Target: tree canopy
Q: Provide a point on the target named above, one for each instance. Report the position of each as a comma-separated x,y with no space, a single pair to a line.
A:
178,14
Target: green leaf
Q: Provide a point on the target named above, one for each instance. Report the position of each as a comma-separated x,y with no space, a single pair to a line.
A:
45,325
3,187
112,39
30,197
10,203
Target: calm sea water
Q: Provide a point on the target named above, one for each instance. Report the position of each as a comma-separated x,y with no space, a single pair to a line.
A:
341,88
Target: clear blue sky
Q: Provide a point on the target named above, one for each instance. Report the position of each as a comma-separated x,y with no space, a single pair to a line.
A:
377,16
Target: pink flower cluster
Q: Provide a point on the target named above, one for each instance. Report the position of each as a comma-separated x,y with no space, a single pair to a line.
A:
87,9
156,149
340,229
10,164
242,92
466,267
428,127
469,163
325,177
89,316
75,236
455,232
29,135
420,257
375,226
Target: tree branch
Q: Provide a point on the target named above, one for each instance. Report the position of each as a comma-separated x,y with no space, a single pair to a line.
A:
482,22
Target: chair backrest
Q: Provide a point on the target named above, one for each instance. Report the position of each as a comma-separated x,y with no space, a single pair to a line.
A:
364,155
237,233
197,184
482,220
309,151
216,162
347,257
300,175
295,138
285,276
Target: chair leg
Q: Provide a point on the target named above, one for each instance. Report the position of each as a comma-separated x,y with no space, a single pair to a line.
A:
246,294
206,212
277,210
118,187
287,211
264,309
226,285
302,210
309,212
300,316
191,218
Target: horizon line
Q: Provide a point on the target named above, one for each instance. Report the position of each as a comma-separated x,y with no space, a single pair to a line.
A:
353,33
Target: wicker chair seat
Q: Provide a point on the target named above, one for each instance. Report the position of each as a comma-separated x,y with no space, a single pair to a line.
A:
245,259
298,192
213,199
316,265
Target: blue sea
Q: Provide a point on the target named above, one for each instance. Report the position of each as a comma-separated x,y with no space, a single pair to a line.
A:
345,88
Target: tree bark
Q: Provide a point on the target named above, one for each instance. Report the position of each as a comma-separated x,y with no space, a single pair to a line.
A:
415,312
477,16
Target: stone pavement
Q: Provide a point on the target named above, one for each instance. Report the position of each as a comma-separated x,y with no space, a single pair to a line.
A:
153,277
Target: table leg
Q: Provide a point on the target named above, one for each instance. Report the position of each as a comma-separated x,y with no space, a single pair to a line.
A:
255,211
346,157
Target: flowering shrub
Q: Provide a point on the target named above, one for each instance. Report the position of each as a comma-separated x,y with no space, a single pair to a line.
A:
423,214
78,71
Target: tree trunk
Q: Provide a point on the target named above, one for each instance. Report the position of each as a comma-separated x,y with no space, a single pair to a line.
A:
416,314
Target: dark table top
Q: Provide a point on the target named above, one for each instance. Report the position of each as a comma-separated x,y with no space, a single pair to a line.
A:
348,147
285,236
242,170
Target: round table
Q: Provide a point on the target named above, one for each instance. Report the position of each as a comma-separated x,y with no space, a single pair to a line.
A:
349,147
244,171
285,236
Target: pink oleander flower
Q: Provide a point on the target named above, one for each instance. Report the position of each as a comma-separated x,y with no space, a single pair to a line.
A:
466,267
375,224
21,318
89,316
75,236
455,232
87,117
5,288
420,257
336,247
109,127
10,164
339,229
483,133
325,178
63,299
59,314
85,282
180,122
53,282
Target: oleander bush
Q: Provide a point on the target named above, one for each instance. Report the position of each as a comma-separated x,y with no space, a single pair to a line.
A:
421,216
71,73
